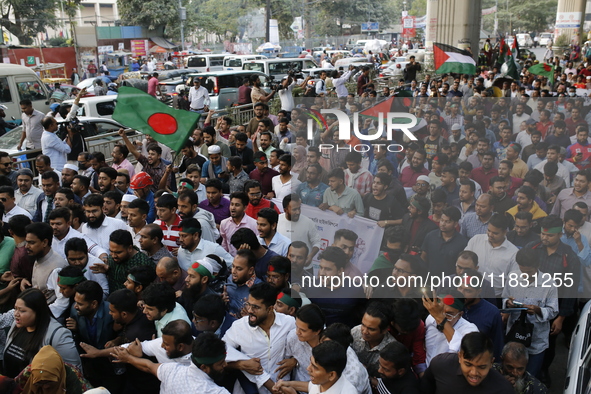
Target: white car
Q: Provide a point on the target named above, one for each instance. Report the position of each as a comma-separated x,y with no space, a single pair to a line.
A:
545,38
578,379
97,106
524,40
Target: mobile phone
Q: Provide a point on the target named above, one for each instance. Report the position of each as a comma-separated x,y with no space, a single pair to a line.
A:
518,304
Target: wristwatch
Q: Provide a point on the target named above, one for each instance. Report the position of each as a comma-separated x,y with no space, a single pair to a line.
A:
441,325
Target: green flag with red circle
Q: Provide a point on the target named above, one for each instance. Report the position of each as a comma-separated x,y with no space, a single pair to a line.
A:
140,111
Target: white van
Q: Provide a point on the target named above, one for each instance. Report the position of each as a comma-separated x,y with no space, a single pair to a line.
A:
19,83
205,63
279,67
235,62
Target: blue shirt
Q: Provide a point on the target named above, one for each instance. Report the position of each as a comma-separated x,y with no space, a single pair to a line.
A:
584,255
238,294
311,196
471,225
487,318
152,214
217,169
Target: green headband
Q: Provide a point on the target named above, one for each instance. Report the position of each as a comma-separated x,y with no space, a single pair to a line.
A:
201,270
189,230
186,184
208,360
287,300
70,280
552,230
272,268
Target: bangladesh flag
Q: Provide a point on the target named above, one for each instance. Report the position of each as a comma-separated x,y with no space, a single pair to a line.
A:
544,70
140,111
450,59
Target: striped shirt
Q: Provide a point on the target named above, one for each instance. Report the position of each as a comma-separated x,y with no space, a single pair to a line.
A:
171,233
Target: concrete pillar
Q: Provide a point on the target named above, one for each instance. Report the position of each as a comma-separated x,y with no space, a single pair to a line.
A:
570,16
454,22
97,12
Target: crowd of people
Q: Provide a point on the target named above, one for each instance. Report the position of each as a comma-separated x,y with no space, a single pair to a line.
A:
179,275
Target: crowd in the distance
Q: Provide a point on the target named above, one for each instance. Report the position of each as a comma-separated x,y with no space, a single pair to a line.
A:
158,277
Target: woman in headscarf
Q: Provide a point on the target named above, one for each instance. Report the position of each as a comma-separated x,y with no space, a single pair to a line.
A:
299,155
48,374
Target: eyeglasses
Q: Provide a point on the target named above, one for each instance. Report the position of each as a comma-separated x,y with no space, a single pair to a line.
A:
396,269
255,194
450,317
255,308
422,184
197,321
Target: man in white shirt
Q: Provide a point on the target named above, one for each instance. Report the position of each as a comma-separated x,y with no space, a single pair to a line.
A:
321,85
60,222
285,182
288,83
198,97
339,81
52,146
99,226
261,335
26,194
267,219
10,207
208,360
297,227
193,247
553,154
327,365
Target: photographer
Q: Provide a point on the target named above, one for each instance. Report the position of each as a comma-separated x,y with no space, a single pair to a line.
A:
284,89
339,81
257,94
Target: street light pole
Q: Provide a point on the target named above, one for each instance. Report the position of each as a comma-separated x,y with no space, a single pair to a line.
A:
182,17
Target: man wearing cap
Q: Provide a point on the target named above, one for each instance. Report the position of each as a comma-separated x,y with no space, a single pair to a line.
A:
152,165
68,173
445,327
141,185
215,167
26,195
52,146
193,247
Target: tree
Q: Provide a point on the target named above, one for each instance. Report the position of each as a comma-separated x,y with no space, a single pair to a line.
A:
30,17
151,14
530,16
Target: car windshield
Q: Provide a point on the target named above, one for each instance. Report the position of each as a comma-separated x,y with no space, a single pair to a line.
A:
11,139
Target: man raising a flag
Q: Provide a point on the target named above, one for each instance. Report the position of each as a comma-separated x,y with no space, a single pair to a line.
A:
168,126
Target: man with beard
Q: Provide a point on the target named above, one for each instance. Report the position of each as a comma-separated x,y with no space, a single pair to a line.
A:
285,182
525,203
312,190
262,329
6,168
123,256
199,277
416,221
193,247
396,375
256,200
25,193
38,246
99,226
68,173
188,207
484,173
209,137
60,221
150,240
80,186
106,179
409,175
297,227
241,150
152,165
474,360
568,197
267,229
341,198
201,376
242,279
245,238
522,232
45,202
500,198
513,365
190,156
263,174
122,183
278,272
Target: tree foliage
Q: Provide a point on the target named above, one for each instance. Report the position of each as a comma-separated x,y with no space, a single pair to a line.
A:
151,14
30,17
524,16
328,17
